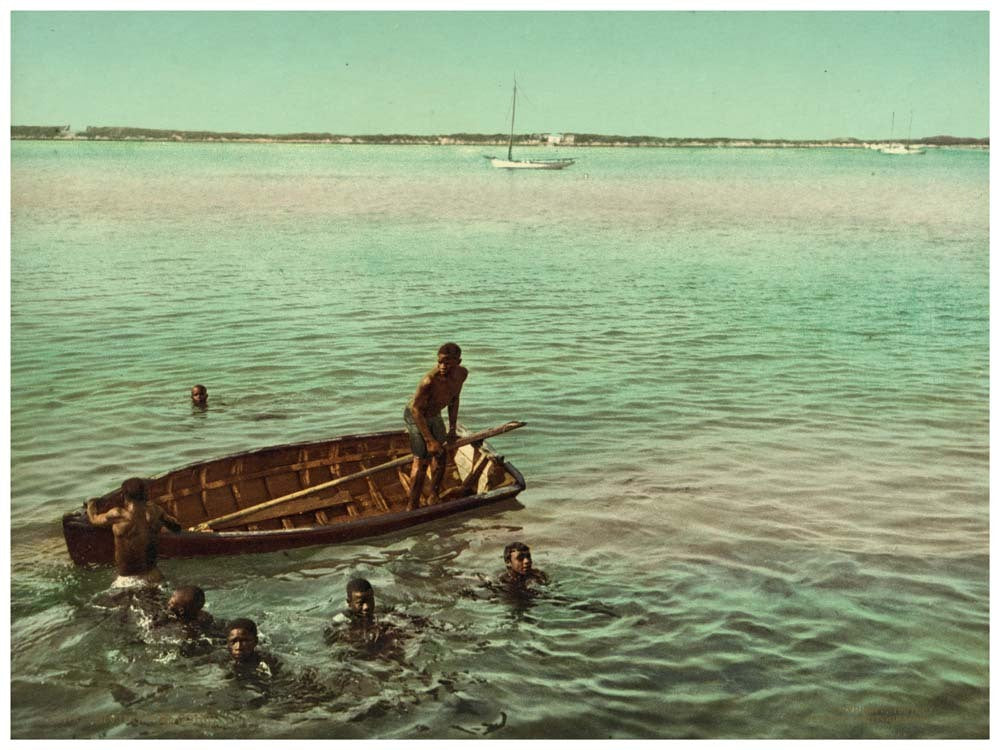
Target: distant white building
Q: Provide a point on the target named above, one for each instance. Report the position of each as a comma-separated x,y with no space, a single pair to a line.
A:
559,139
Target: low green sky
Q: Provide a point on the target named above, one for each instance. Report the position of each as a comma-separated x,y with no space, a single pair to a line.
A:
764,74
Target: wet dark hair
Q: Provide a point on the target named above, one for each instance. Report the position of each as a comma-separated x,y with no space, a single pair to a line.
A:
451,349
519,546
200,387
243,624
358,584
134,489
193,594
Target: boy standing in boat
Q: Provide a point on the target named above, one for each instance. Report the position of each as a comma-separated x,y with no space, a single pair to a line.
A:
135,526
439,388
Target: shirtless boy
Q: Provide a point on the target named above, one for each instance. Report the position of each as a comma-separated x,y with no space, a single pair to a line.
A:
186,605
241,640
520,569
360,601
359,627
199,396
359,617
439,388
241,643
135,526
196,629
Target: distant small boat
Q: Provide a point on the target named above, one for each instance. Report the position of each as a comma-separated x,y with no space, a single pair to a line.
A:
325,492
529,163
511,163
900,149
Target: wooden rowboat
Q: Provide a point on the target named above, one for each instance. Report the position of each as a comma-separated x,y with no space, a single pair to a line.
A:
302,494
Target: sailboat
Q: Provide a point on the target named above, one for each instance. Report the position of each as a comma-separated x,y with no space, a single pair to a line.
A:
899,149
511,163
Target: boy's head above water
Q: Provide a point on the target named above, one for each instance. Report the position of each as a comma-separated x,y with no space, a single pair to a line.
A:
186,603
360,599
199,395
517,557
241,639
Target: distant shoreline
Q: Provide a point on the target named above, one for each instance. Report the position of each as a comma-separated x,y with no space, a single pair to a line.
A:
562,140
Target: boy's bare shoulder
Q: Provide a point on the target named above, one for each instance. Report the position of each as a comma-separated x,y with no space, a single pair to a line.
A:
424,390
426,381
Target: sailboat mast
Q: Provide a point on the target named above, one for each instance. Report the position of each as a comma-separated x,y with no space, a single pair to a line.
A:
513,109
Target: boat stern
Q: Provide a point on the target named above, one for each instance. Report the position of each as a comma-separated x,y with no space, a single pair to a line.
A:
87,544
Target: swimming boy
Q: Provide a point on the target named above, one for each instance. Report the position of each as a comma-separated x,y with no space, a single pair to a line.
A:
360,601
359,615
520,569
362,627
198,631
186,606
439,388
199,396
241,642
135,526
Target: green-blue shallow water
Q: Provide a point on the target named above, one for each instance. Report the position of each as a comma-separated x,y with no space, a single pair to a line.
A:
756,389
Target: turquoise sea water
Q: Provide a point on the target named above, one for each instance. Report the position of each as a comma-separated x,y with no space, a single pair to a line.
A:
756,389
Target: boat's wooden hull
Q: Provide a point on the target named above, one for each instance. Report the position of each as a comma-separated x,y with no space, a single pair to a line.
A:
363,508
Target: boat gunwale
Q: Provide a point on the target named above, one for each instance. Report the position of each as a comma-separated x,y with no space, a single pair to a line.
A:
256,451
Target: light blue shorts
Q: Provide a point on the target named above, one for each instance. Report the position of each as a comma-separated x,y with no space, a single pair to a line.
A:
417,444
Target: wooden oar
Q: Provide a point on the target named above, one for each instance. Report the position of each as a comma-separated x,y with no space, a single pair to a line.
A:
261,511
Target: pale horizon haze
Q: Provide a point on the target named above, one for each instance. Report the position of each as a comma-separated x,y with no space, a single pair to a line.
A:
764,74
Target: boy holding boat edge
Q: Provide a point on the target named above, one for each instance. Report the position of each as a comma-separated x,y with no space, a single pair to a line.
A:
135,526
